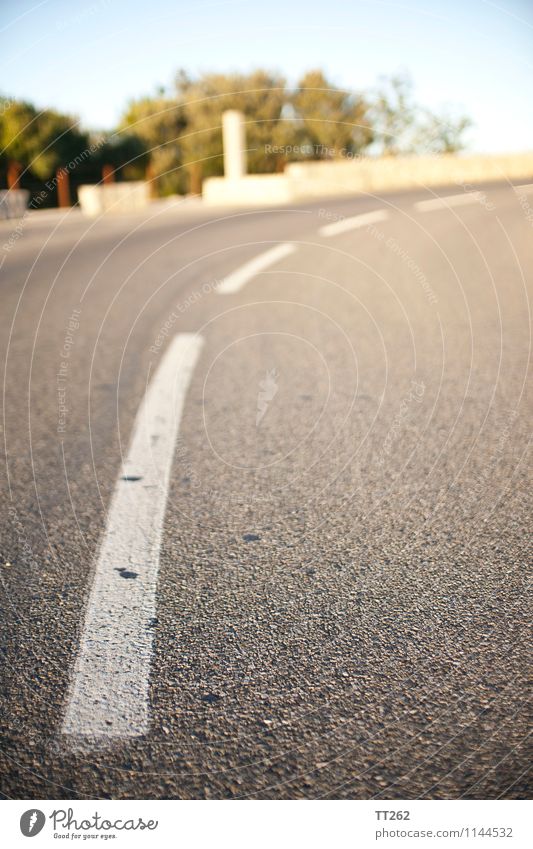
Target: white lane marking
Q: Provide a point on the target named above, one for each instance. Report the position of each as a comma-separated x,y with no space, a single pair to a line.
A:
450,200
109,691
527,187
237,279
353,223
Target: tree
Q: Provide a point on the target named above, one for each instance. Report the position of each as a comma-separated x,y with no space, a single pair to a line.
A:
158,122
260,96
442,133
403,127
332,122
41,141
394,115
125,152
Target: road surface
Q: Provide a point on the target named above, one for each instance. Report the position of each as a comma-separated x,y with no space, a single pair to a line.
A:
266,500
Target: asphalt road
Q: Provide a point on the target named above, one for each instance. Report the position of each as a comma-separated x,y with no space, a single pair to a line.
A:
340,600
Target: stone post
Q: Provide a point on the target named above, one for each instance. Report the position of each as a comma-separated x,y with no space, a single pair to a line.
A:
108,174
234,138
13,174
63,190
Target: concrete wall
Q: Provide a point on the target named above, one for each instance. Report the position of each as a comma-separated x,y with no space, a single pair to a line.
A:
114,197
309,179
253,190
306,180
13,203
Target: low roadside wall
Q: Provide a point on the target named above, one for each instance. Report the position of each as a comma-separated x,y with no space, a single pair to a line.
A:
305,180
114,197
13,203
253,189
318,178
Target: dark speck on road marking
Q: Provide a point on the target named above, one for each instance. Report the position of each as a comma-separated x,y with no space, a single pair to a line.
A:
251,537
125,573
132,477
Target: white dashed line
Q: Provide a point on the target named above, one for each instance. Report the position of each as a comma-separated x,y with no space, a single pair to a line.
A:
526,188
109,690
451,200
353,223
235,281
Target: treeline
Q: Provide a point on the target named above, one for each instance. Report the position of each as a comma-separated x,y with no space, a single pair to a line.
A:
44,151
174,137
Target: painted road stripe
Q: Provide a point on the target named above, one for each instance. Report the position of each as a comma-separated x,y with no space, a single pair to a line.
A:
451,200
353,223
235,281
109,690
526,188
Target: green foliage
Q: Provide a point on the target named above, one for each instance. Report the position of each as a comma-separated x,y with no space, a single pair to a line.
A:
442,133
403,128
18,135
261,96
124,152
158,123
393,115
332,122
176,138
39,140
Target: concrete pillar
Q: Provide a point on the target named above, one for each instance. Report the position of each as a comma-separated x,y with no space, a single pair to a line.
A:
108,174
13,174
63,191
234,138
195,178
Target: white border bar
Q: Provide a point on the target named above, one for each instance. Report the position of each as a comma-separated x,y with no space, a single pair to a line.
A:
235,281
109,691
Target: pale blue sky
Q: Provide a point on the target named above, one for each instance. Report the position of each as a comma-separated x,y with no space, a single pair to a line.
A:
90,57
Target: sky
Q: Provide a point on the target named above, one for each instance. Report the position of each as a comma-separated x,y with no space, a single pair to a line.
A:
90,57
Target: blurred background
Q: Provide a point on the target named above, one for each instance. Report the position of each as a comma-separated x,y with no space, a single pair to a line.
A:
128,90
